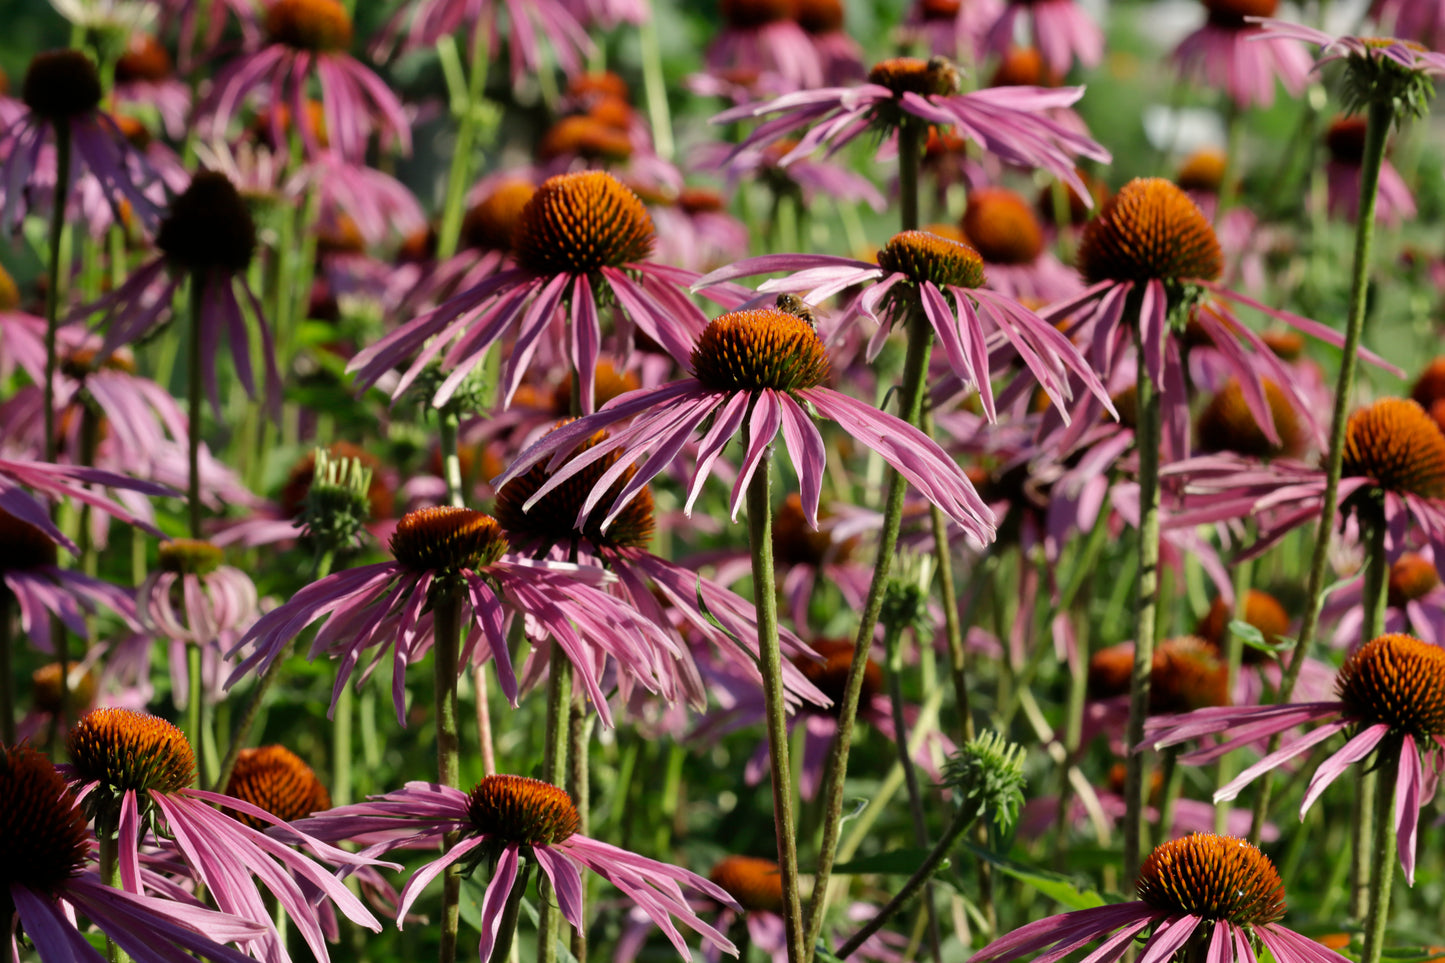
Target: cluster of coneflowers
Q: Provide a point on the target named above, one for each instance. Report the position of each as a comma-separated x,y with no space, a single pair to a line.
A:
1082,490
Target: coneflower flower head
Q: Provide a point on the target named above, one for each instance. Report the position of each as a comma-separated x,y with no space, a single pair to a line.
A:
60,84
923,256
317,25
43,836
1234,13
757,884
527,812
1002,226
209,228
1398,681
126,751
275,779
1227,424
1397,444
23,546
580,223
756,349
1377,70
1412,577
1214,878
188,556
1150,230
552,521
445,540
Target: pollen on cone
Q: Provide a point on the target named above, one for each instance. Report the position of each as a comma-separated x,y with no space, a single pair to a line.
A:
1212,877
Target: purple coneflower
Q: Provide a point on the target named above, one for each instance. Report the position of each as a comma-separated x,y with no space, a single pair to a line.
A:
581,240
654,586
755,368
1006,232
207,237
504,820
62,481
128,767
760,37
46,881
1415,602
1152,248
1060,29
1200,894
309,38
1235,55
145,79
1393,453
840,54
1422,20
1008,122
1391,702
1405,54
62,96
952,28
526,22
944,280
381,607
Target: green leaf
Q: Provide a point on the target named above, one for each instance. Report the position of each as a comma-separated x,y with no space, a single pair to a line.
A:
1062,889
1254,638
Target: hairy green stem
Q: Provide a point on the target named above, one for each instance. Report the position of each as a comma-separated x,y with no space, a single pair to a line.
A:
447,424
466,111
893,649
915,368
1366,815
1382,850
961,821
770,663
554,771
110,875
447,628
1377,128
1147,442
1233,659
654,88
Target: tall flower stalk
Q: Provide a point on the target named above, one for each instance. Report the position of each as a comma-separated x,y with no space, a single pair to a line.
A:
1391,81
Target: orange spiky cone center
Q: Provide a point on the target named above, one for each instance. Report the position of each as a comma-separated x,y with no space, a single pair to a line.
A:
1227,424
129,750
317,25
275,779
1150,230
1002,227
521,810
1213,877
1396,443
43,836
1412,577
831,674
913,75
941,261
447,540
580,223
759,348
1396,680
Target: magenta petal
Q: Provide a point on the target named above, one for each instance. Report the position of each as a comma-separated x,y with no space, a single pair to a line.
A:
1407,806
431,870
1356,749
495,899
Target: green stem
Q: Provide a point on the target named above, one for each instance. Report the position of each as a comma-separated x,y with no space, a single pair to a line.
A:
961,821
110,875
1233,659
1362,824
655,89
507,928
915,368
770,663
893,649
447,629
1377,575
1147,441
579,785
342,721
1173,778
53,293
1367,815
249,714
451,460
1377,127
465,110
948,599
194,696
1382,856
554,771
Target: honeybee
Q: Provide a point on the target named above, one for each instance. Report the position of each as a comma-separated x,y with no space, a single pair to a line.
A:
796,306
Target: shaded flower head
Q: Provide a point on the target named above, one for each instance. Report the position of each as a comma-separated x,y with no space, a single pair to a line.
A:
922,256
1261,610
1235,12
127,751
1150,230
1383,70
208,227
1227,424
830,674
757,349
309,24
43,835
1002,226
1411,577
756,884
275,779
445,540
61,84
